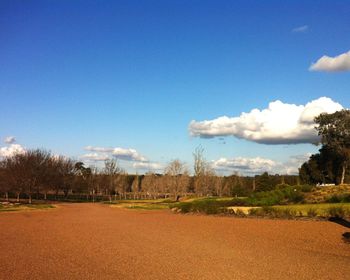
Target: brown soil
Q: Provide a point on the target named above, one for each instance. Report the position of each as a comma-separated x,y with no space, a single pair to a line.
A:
94,241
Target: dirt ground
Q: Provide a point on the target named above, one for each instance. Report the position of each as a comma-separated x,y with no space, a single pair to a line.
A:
94,241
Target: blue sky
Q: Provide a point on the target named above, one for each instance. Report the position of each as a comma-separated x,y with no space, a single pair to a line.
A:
134,74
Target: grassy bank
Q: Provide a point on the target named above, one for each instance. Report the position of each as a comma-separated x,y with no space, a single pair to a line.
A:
11,207
157,204
233,207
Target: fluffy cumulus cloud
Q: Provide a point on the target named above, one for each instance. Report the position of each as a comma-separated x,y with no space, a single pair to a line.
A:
280,123
102,153
11,150
153,166
10,140
332,64
300,29
258,165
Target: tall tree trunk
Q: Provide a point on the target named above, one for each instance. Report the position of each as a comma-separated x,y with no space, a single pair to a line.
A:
7,196
18,197
343,174
30,199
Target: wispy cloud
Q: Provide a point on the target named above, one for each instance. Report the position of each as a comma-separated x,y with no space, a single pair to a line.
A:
10,140
149,166
258,165
117,152
338,63
280,123
95,157
300,29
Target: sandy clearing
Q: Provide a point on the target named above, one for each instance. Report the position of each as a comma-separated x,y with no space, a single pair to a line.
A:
94,241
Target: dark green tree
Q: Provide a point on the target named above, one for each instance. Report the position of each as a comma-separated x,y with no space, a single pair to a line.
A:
334,130
264,182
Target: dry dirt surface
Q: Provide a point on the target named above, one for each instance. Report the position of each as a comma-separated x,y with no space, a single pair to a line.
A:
94,241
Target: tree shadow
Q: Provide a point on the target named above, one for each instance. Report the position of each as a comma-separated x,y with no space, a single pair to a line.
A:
340,221
344,223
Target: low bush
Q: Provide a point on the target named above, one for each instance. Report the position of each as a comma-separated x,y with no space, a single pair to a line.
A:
306,188
339,198
311,212
284,194
207,206
268,211
336,212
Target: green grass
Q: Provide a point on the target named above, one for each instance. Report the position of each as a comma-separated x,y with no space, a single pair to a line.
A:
23,207
238,207
147,207
147,204
321,209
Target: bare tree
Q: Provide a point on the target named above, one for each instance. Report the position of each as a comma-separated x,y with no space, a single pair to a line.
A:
150,185
4,186
199,161
135,187
28,172
200,169
178,178
122,184
219,185
111,170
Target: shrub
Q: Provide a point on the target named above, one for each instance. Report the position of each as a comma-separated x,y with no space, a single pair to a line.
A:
306,188
340,198
273,212
288,213
287,194
282,186
336,212
311,212
207,206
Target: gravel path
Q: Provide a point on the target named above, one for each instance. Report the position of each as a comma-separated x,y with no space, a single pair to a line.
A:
94,241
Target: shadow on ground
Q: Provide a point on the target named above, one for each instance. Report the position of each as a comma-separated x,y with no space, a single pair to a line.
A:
344,223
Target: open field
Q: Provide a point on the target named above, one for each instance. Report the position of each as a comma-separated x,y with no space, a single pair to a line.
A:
95,241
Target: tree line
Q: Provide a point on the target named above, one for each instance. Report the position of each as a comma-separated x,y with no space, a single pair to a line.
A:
39,174
331,163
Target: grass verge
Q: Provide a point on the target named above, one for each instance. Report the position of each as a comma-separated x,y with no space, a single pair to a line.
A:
11,207
158,204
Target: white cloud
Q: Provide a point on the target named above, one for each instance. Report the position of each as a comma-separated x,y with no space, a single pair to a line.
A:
332,64
243,165
10,140
119,153
95,157
148,166
293,164
11,150
280,123
258,165
301,29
